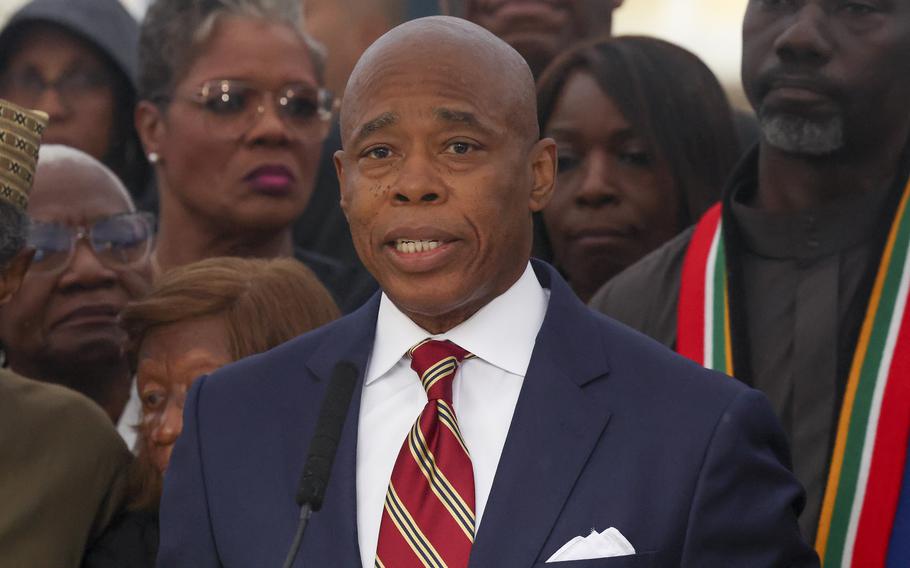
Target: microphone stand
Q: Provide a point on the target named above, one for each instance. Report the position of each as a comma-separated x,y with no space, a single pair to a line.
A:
323,447
305,512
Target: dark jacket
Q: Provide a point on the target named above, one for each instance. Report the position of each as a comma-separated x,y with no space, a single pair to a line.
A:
62,473
131,541
610,429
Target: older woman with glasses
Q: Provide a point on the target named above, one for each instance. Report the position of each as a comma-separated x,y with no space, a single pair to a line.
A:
233,117
91,257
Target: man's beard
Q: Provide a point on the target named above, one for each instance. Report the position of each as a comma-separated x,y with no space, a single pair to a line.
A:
796,134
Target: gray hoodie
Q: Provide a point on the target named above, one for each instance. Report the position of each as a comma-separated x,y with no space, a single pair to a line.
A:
107,26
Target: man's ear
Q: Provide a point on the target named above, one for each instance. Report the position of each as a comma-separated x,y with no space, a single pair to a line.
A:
11,276
150,126
338,159
543,167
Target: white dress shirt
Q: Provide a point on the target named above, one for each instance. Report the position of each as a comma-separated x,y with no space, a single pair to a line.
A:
129,419
485,390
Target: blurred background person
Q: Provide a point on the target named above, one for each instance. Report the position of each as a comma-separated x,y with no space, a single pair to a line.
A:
198,318
235,143
91,257
62,465
542,29
645,140
538,29
346,28
806,220
76,60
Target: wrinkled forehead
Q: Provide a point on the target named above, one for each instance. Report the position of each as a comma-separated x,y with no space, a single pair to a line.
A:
395,83
426,71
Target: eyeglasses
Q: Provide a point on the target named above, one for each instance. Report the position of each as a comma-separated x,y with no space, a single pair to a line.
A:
28,85
232,107
118,241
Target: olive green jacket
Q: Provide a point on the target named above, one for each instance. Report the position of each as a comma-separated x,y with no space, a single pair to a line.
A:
62,473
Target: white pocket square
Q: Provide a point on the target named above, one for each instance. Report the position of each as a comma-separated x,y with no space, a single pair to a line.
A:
606,544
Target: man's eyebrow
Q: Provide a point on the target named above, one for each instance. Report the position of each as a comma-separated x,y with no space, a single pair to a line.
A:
382,121
461,117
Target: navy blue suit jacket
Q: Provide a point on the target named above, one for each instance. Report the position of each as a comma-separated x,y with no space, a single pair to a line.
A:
611,430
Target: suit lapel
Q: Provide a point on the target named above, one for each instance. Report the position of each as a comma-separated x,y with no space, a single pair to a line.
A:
331,538
553,432
554,429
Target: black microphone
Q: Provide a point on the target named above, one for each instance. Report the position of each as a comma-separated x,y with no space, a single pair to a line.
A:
323,446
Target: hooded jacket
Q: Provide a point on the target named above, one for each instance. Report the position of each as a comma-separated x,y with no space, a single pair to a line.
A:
109,27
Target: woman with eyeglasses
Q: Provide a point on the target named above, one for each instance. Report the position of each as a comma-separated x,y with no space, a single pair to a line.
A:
233,117
91,257
76,61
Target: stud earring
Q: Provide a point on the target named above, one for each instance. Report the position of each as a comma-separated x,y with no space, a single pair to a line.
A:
153,157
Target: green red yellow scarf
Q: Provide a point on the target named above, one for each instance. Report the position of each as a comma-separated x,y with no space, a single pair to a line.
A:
867,467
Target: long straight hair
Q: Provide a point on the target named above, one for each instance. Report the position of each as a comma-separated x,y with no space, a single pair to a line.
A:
670,98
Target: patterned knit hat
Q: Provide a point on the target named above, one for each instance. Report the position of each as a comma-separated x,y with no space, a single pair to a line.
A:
20,137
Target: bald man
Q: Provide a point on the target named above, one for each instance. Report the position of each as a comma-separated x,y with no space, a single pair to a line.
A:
496,421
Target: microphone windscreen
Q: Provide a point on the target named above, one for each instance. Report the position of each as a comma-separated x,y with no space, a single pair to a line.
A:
324,444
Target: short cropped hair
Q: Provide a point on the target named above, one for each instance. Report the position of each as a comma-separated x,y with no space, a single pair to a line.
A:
670,97
13,232
174,31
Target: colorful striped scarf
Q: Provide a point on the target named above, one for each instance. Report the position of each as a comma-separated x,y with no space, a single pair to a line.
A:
866,476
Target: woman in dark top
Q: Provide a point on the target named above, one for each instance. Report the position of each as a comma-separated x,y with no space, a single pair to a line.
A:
645,139
235,143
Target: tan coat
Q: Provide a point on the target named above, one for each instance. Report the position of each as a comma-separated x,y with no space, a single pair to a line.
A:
62,473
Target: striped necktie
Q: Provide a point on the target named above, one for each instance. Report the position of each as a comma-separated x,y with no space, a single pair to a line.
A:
428,518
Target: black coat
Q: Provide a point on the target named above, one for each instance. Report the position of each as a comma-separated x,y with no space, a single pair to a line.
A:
131,540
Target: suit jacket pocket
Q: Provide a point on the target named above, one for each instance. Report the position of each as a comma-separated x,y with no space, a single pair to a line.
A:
642,560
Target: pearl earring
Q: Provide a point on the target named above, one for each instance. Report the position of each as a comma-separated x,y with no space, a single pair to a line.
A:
153,157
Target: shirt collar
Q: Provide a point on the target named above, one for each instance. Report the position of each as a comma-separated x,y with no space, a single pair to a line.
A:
830,228
501,333
805,235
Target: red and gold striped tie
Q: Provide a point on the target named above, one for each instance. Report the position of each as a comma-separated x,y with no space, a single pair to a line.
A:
428,518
